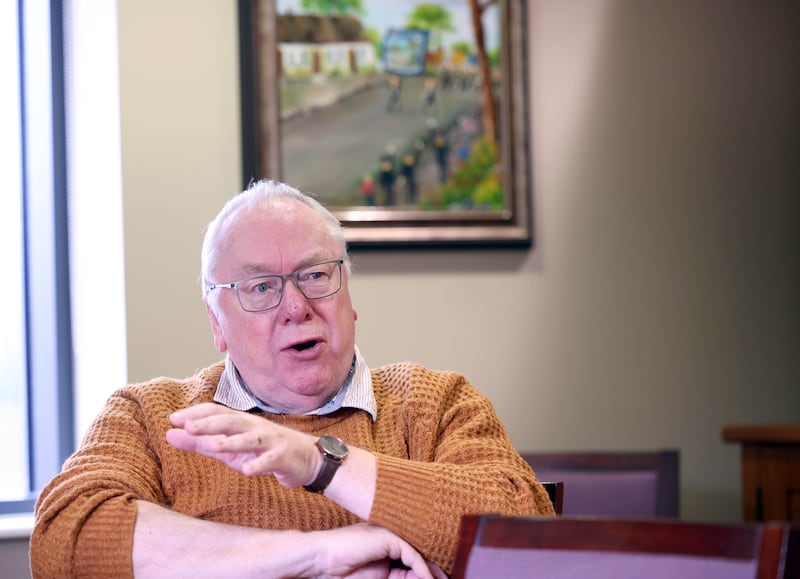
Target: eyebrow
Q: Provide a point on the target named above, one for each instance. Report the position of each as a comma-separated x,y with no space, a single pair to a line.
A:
259,269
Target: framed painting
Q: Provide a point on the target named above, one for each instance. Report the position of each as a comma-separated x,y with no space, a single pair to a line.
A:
407,119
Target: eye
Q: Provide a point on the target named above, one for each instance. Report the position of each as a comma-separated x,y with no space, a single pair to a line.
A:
313,275
263,285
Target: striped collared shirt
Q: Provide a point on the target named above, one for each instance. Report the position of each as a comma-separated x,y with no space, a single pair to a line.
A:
356,392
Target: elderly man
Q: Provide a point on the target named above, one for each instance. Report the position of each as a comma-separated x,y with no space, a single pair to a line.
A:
291,457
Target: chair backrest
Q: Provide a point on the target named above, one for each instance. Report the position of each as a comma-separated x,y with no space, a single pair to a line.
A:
618,484
624,548
555,490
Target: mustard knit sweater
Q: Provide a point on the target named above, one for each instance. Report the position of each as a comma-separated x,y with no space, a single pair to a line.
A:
441,452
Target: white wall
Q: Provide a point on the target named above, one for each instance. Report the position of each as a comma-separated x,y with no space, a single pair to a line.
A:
661,299
181,156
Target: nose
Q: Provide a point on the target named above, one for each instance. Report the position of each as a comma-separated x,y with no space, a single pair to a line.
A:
293,302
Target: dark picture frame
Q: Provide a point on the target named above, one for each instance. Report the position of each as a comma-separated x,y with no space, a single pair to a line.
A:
391,115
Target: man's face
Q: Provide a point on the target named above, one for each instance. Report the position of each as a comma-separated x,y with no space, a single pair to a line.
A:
266,346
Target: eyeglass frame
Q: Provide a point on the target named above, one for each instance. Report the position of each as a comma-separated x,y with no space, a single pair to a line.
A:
293,276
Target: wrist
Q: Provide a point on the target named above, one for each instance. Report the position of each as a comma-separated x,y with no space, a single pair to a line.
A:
333,453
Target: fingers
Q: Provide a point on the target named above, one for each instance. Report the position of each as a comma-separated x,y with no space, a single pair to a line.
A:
213,444
212,419
412,559
181,440
211,429
418,567
180,417
437,571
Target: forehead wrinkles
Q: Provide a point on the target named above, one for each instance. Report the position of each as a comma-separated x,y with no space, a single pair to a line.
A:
279,236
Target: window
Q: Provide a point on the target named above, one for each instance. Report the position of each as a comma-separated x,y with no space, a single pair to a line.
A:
58,71
36,401
13,399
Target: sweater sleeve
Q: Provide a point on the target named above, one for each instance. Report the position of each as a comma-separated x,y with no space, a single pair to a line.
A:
85,516
459,460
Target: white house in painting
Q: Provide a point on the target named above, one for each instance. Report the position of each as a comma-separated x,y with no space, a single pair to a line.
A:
329,45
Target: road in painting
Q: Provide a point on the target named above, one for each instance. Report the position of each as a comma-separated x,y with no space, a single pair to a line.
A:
330,150
358,134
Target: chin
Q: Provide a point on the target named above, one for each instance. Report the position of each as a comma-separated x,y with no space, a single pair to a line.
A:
311,385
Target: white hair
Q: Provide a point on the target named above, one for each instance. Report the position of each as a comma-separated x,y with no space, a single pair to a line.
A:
261,193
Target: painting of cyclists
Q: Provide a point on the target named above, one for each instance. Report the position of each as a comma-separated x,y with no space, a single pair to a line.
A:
397,113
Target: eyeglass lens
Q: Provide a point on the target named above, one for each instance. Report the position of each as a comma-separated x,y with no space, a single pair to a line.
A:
314,282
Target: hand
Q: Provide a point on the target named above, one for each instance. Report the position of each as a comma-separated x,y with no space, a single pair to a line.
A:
246,443
368,551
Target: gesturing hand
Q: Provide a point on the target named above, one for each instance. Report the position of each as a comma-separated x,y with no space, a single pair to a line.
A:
246,443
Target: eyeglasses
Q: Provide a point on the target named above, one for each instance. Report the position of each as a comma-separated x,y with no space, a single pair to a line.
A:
265,292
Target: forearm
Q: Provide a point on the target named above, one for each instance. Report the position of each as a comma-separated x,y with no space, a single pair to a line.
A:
170,544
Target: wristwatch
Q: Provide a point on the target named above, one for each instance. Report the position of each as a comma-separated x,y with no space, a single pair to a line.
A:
333,451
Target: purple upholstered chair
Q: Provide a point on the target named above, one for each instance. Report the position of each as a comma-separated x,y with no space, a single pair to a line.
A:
617,484
493,546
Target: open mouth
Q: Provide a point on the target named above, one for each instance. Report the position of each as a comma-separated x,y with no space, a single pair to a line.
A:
304,345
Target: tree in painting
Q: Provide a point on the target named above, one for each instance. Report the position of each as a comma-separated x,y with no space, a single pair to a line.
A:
489,113
432,17
340,7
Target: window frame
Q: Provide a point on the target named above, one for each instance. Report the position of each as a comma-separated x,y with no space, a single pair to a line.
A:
48,338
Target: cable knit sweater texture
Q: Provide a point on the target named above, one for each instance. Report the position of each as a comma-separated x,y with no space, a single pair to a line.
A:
441,452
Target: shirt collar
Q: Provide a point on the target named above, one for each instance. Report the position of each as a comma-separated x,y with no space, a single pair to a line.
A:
356,392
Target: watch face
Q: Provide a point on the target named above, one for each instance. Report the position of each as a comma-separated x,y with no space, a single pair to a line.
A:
333,446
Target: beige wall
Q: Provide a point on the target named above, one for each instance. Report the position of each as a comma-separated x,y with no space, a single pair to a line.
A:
662,298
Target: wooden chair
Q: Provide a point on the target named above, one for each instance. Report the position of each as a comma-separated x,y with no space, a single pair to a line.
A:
618,484
555,491
624,548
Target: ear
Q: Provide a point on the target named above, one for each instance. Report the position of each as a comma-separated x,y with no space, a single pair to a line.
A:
216,329
355,315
